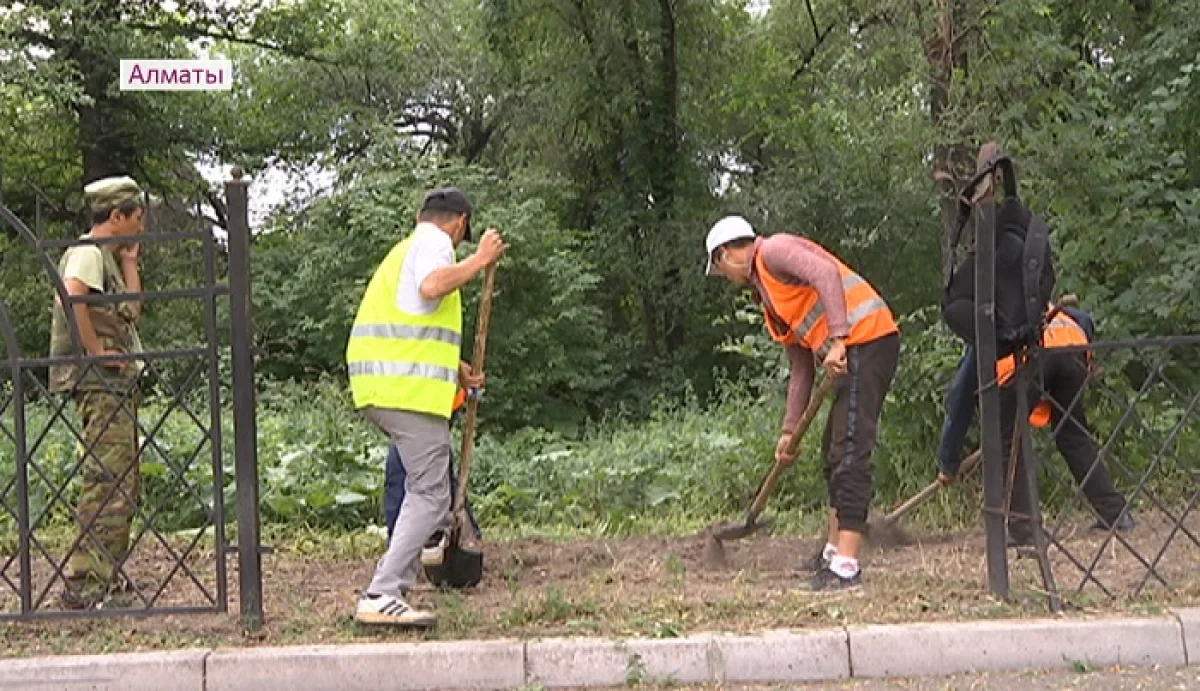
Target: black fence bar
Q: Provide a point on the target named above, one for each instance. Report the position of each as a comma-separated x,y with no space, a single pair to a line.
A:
13,354
1132,344
142,238
151,355
136,612
1024,447
1141,420
51,271
42,564
989,398
176,294
244,420
214,397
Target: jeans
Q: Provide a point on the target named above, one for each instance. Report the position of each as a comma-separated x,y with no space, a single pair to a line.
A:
960,412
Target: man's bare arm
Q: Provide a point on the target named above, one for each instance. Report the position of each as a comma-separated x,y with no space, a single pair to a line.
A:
132,277
441,282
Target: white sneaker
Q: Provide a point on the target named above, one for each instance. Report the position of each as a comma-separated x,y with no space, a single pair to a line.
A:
385,609
434,551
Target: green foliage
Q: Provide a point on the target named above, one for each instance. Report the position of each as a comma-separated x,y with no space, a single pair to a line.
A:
910,431
1091,105
321,464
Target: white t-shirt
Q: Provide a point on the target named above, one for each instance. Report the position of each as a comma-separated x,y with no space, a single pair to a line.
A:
431,250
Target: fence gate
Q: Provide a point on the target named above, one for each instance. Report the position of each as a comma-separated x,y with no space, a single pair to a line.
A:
186,449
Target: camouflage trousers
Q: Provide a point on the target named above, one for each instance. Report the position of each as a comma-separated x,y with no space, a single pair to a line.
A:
111,481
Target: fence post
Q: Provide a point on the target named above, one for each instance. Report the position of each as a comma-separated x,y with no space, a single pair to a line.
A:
245,433
12,355
989,398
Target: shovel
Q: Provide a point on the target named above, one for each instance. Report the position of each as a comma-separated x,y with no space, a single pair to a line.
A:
718,533
886,533
462,567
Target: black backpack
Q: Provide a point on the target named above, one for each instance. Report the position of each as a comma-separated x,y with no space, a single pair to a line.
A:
1024,268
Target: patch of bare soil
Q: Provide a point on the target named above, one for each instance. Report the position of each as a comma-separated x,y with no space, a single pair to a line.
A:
647,586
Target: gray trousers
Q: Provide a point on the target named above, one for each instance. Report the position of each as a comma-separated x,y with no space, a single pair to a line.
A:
424,443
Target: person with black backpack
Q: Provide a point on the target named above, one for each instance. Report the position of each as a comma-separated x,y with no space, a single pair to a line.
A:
1024,278
1025,274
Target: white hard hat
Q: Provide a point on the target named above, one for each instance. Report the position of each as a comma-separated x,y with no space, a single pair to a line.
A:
725,231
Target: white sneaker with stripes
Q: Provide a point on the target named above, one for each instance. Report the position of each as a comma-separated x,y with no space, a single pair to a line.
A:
386,609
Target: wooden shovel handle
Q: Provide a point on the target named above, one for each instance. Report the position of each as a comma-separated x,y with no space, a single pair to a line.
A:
777,470
930,490
468,437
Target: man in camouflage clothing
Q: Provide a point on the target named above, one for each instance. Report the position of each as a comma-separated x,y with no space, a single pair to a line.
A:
105,392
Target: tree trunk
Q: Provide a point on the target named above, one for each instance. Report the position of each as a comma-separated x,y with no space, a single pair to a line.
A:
106,138
952,160
665,172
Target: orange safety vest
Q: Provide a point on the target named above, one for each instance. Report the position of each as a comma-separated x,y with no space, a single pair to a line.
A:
795,315
1061,332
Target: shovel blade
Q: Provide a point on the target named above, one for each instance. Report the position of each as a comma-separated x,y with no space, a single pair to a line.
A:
737,530
460,568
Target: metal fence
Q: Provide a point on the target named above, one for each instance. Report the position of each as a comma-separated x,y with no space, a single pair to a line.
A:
1118,504
177,486
1111,467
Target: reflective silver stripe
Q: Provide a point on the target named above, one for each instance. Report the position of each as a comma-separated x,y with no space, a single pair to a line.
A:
864,309
406,331
383,368
854,317
818,310
810,320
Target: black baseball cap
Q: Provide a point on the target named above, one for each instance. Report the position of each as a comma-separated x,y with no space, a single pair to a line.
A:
449,199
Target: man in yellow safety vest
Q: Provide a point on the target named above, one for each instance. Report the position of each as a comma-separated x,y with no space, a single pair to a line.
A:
404,363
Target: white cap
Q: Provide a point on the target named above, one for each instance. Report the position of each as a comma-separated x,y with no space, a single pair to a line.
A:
725,231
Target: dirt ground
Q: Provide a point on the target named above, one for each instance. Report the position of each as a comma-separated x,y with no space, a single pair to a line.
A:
644,587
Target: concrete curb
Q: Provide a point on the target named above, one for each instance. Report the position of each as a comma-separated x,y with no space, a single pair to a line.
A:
929,650
465,665
996,646
180,669
777,656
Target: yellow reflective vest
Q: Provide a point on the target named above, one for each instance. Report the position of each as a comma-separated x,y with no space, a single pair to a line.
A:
403,361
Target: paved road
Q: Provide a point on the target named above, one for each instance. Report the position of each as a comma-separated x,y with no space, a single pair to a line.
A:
1117,679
